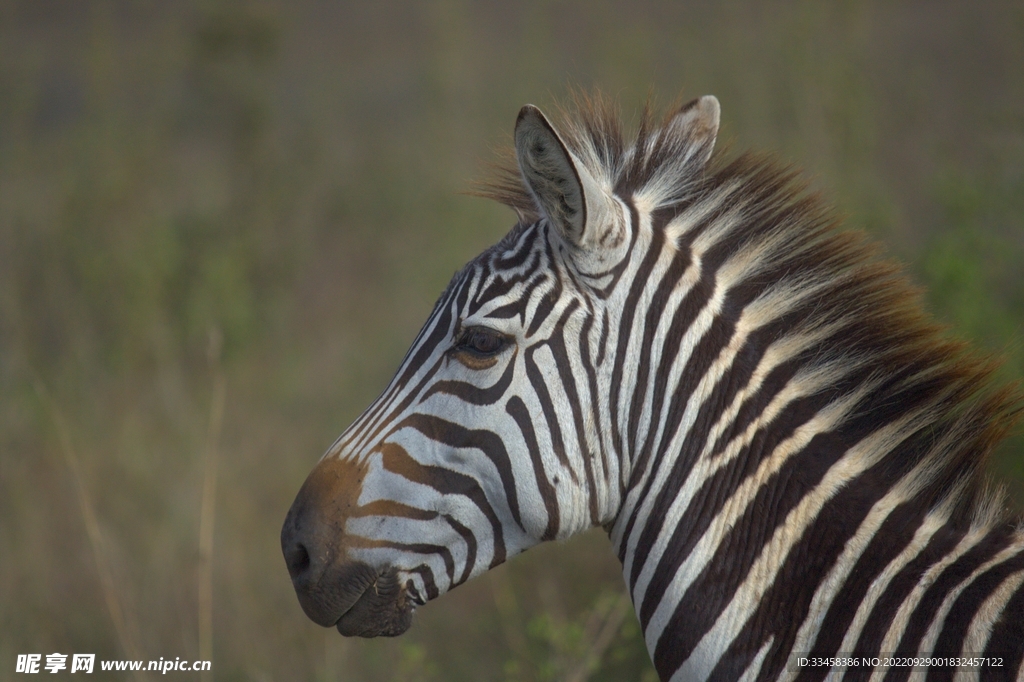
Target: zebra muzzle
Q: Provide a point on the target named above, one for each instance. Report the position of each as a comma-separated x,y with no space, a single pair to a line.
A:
353,596
334,590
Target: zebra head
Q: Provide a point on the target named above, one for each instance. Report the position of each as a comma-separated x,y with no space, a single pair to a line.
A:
495,433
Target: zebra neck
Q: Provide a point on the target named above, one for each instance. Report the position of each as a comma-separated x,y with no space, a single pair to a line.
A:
735,554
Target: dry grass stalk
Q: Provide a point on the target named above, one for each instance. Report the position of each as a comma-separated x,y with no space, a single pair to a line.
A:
92,528
208,506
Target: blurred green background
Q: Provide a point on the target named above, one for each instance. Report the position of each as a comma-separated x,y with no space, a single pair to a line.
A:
222,223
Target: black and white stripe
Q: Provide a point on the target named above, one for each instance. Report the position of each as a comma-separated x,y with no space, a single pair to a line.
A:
686,350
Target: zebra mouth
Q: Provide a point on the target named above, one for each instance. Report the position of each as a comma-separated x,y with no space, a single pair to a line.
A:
381,609
354,597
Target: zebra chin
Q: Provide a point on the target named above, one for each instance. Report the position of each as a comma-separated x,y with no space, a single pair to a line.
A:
358,600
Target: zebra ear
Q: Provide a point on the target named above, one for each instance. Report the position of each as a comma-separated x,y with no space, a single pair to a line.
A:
697,122
564,190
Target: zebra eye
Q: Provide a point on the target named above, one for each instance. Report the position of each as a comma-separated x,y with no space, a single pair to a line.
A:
481,341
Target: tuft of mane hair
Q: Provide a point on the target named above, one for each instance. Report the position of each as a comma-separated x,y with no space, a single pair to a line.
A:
906,363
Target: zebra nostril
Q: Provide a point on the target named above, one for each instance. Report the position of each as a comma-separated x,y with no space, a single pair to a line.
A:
297,559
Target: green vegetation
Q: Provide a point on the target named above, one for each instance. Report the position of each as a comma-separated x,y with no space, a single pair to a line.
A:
222,222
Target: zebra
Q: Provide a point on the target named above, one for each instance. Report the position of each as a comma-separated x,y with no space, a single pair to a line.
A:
684,348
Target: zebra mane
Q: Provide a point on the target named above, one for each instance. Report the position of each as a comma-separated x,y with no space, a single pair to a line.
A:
953,414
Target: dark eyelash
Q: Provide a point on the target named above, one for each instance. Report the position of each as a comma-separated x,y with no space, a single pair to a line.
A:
481,341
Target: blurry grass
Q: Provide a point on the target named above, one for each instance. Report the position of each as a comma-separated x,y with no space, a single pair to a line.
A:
208,505
973,267
289,174
125,635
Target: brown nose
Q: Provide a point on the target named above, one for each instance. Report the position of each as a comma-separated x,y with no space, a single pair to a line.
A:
313,541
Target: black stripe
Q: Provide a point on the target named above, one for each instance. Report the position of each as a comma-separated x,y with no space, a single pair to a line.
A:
428,580
379,423
470,540
539,384
517,308
602,343
716,337
576,405
742,544
1007,635
418,354
413,362
708,500
517,409
921,619
369,418
942,542
625,331
458,436
515,248
447,482
965,607
420,548
681,262
784,606
547,303
740,547
892,538
474,395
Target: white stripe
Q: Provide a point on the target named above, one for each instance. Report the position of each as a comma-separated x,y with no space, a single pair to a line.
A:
830,586
902,618
738,503
763,572
939,619
985,619
921,539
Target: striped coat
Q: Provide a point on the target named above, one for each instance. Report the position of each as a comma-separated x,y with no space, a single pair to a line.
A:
686,350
